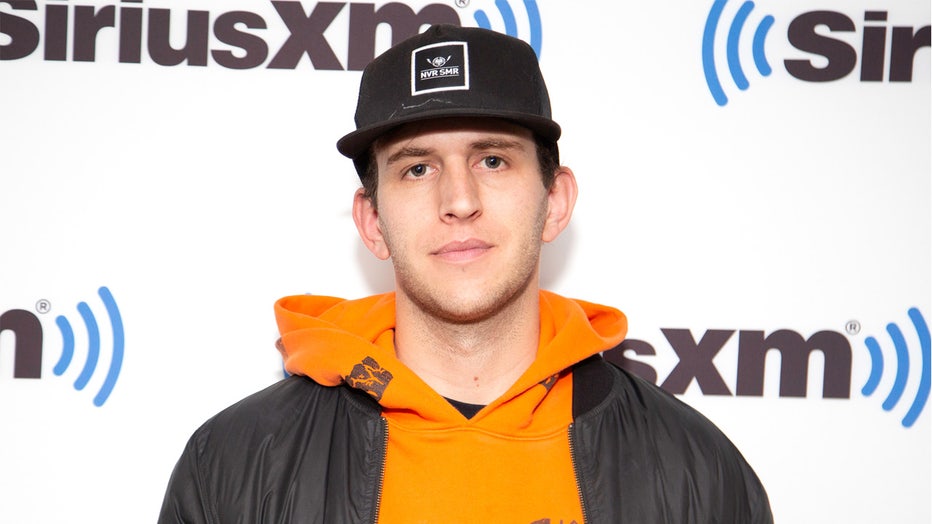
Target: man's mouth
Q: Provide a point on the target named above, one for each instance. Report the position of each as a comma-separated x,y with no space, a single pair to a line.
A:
463,250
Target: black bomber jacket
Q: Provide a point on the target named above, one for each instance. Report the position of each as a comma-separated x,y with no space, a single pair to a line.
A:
298,452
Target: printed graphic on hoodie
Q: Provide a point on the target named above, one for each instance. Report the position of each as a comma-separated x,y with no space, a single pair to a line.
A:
370,377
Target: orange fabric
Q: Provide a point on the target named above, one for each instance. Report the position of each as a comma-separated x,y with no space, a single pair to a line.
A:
509,463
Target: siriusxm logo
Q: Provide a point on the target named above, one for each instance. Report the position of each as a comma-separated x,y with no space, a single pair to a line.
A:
695,362
734,35
233,39
903,367
29,335
812,33
511,24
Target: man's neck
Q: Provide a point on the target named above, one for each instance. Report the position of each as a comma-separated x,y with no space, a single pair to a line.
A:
472,362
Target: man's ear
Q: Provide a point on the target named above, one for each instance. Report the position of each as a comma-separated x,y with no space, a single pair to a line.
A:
366,217
560,203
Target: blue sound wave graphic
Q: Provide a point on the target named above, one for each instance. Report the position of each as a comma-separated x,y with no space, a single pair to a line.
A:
731,48
93,350
511,25
903,367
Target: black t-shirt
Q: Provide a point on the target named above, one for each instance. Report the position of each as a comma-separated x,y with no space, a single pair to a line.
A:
468,410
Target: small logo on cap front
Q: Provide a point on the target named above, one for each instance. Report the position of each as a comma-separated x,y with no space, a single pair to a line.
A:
437,62
440,67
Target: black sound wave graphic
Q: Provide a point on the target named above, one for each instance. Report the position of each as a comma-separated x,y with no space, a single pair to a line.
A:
902,367
93,350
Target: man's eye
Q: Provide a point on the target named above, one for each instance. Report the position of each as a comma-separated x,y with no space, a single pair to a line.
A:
417,171
492,162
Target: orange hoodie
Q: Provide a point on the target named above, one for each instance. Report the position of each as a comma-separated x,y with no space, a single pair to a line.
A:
509,463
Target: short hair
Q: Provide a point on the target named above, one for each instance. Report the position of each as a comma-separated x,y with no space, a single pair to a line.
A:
548,160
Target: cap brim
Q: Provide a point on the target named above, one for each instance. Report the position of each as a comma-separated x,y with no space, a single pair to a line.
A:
358,142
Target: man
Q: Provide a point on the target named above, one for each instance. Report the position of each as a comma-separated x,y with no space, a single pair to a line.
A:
469,394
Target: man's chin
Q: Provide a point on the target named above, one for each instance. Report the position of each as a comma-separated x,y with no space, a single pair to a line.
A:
466,306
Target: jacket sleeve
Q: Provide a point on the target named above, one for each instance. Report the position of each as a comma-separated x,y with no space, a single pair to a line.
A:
186,497
762,513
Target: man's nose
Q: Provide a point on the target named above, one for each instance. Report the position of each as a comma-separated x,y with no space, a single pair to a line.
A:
459,194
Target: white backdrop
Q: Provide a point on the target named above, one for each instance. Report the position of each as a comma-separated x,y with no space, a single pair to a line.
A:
197,195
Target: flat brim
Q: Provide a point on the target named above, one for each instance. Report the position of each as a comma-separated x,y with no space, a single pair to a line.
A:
357,143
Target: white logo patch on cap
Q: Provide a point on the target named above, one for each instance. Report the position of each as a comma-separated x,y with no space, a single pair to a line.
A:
440,67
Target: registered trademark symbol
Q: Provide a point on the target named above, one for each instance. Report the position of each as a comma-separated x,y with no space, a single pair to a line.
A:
43,306
461,3
853,327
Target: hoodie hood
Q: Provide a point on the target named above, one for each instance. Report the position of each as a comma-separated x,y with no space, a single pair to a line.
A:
335,341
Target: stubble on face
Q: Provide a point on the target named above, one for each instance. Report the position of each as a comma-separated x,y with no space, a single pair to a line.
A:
473,302
513,214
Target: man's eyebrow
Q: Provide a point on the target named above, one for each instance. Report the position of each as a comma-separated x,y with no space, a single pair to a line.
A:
407,152
496,143
479,145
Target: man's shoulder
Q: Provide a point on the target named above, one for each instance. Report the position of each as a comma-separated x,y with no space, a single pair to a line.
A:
637,418
656,449
281,408
664,406
603,386
291,443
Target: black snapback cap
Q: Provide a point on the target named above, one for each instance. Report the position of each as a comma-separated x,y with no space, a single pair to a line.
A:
449,71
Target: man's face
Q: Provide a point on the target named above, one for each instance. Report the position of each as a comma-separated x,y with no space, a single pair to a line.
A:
461,212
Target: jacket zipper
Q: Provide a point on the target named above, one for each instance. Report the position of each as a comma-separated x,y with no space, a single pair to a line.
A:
573,458
381,481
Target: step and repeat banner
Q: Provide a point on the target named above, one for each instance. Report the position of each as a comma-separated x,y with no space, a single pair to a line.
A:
754,194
